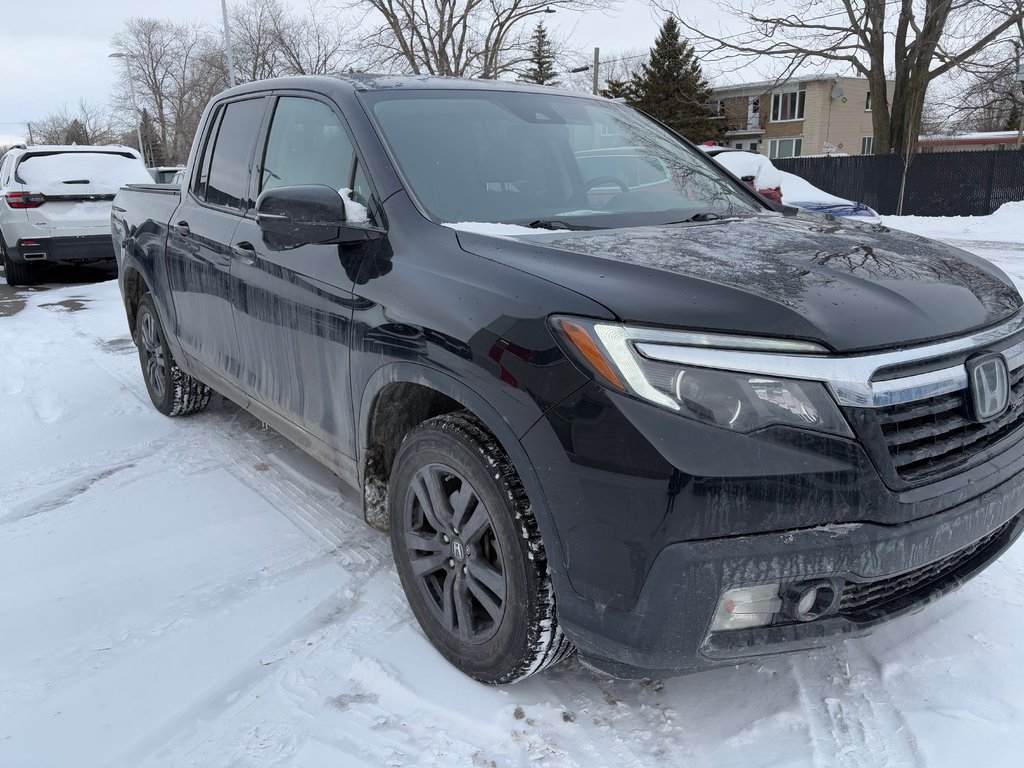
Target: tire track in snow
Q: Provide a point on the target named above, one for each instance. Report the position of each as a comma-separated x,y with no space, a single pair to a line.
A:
851,719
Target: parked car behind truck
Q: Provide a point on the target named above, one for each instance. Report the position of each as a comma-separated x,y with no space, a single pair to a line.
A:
670,427
55,205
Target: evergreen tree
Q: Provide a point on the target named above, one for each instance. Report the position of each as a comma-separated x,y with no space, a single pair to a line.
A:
542,60
619,89
154,154
76,133
672,88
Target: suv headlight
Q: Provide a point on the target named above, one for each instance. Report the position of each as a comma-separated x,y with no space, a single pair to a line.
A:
742,402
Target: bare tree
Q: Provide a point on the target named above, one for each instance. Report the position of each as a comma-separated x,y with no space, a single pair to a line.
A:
986,94
254,34
88,124
317,42
460,38
174,70
911,42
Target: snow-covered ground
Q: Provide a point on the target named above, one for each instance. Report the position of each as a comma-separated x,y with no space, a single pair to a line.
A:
197,592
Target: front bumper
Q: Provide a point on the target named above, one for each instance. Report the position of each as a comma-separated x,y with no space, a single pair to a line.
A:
68,249
668,629
658,515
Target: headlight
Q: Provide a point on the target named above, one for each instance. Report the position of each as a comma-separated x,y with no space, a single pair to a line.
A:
732,400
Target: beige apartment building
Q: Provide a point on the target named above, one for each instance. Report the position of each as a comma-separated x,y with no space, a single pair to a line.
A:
819,115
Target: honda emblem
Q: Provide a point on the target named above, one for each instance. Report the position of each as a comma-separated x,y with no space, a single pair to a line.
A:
989,383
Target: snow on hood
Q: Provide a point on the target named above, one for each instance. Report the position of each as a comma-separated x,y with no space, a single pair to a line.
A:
72,173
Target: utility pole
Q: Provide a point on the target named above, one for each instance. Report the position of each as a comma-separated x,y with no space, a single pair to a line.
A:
227,44
597,64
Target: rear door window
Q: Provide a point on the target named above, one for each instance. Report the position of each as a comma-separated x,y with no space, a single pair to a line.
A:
228,183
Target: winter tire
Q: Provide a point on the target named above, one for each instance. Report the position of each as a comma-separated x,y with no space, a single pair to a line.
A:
16,272
469,554
173,392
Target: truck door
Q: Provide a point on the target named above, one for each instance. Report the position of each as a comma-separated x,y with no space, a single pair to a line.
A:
199,244
293,309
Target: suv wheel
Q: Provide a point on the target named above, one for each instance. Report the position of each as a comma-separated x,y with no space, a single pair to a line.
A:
16,272
173,392
469,554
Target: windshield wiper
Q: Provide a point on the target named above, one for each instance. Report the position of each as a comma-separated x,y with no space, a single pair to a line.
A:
702,216
555,224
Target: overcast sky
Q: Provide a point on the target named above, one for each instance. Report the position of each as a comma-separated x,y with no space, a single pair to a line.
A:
55,51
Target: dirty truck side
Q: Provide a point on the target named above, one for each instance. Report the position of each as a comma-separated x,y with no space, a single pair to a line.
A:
600,394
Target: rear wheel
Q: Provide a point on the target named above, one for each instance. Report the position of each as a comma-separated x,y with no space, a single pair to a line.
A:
469,554
16,272
173,392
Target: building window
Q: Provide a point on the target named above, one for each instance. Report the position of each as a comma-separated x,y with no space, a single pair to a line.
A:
755,106
737,145
867,102
785,148
867,145
753,146
788,106
721,107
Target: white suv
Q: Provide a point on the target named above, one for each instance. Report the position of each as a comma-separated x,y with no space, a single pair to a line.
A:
55,204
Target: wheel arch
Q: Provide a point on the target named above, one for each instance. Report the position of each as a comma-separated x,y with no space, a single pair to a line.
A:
399,397
133,288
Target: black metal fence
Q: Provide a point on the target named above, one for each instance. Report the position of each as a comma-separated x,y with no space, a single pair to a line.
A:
938,183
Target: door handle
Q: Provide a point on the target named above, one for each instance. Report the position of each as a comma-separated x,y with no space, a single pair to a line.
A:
244,252
182,229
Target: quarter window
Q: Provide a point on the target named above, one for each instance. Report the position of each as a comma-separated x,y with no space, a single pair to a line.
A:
229,166
788,106
307,145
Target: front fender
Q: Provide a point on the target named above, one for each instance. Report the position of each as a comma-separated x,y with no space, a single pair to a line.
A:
413,373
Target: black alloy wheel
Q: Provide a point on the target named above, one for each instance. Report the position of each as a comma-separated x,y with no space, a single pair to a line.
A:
469,552
454,554
173,392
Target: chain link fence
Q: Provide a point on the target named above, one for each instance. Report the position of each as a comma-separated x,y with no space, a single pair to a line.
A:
938,183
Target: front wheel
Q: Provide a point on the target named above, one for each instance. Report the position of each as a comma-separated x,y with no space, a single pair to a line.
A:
469,554
173,392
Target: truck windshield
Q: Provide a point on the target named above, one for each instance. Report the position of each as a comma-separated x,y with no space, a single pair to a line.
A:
547,160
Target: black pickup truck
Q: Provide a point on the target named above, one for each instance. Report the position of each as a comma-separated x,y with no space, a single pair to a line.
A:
603,396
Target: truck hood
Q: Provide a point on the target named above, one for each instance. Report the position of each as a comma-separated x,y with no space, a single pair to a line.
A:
849,286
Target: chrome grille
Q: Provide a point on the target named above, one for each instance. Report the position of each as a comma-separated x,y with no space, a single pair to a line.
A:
930,437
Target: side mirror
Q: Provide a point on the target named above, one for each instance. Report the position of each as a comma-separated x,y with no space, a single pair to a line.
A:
311,214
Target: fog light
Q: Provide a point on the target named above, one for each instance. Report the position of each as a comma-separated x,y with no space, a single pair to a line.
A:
745,607
810,600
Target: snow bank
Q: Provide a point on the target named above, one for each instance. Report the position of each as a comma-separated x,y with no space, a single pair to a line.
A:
1006,225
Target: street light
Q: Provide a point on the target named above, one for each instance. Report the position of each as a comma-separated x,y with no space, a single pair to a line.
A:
135,102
